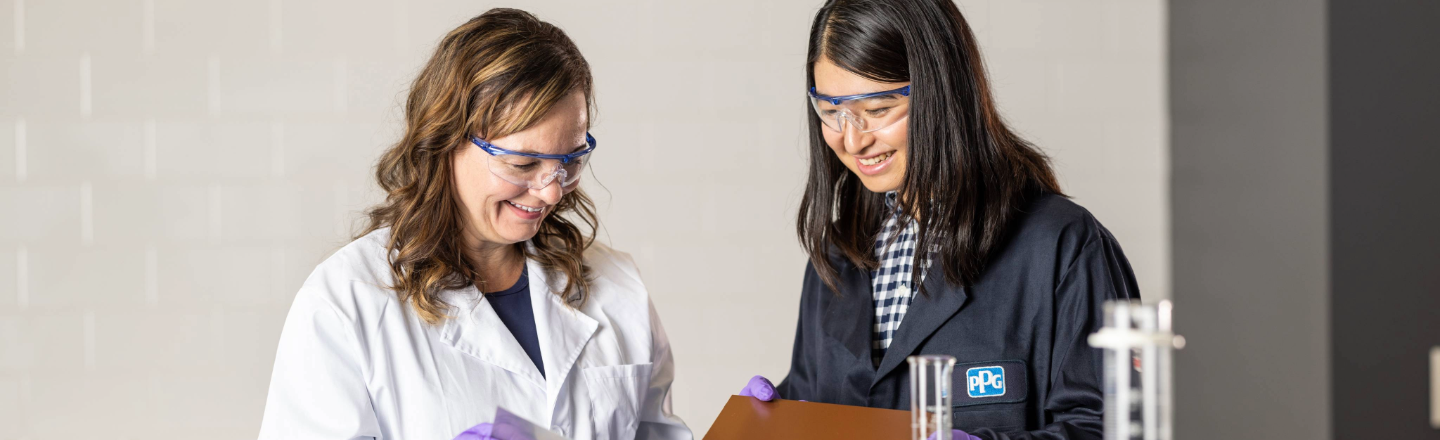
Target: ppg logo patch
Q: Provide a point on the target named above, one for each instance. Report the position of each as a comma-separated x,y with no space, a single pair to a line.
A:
985,381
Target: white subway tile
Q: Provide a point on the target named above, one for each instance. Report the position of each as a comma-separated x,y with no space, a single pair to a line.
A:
112,399
87,102
75,151
352,202
13,420
664,208
376,87
40,213
10,27
1016,25
229,433
1072,28
266,86
665,142
625,146
147,27
425,23
592,27
1135,27
1136,149
219,274
785,30
298,262
197,402
8,145
50,342
22,277
222,150
248,338
760,211
323,152
128,214
1081,87
16,341
185,213
203,28
355,28
66,27
1075,146
136,214
63,277
164,86
1023,86
265,213
159,339
1116,88
42,86
616,84
675,29
10,278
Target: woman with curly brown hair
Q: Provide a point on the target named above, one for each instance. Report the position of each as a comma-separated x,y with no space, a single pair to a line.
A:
475,287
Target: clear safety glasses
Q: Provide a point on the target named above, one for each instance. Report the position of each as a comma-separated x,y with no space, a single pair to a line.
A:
534,170
867,112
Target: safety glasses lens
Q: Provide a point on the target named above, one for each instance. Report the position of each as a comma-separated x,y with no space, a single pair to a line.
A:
866,114
535,173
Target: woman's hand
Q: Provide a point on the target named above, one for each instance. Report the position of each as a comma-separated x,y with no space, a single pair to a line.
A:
760,388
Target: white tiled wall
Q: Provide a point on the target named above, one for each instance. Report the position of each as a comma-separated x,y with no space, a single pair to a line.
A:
171,170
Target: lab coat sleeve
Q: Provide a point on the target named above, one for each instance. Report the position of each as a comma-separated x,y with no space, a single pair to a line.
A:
657,420
317,390
1075,402
797,384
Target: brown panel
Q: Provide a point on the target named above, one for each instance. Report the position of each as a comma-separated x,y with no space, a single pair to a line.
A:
748,418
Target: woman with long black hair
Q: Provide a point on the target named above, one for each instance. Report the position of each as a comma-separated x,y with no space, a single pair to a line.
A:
933,228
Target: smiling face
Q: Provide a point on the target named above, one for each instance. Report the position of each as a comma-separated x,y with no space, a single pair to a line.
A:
499,213
877,157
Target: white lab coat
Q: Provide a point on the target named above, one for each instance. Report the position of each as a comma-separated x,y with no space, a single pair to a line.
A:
356,363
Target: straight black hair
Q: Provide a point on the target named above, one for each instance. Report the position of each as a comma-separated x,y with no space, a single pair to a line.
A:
967,175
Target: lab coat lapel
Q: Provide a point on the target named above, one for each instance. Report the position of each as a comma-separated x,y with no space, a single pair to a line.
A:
850,316
563,330
475,329
924,316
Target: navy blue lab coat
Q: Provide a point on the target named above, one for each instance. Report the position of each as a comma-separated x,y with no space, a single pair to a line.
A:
1027,316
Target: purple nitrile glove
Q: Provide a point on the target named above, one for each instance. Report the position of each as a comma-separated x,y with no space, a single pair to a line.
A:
477,432
760,388
491,431
956,434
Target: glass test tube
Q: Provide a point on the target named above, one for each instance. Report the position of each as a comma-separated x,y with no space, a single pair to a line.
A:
1138,341
930,409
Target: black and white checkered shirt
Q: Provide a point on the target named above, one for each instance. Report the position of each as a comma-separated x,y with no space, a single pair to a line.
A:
890,284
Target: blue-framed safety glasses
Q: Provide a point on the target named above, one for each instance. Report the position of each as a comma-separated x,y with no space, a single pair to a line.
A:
535,170
867,112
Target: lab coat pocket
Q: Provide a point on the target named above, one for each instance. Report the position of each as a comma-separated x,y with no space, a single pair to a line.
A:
616,393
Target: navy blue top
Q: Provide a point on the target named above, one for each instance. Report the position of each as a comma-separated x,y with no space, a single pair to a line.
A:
1022,370
513,306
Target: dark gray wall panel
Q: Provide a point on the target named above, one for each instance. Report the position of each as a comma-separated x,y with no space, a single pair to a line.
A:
1385,206
1248,194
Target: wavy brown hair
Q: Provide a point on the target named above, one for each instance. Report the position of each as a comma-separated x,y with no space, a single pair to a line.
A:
493,76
